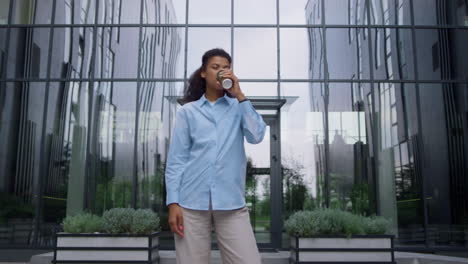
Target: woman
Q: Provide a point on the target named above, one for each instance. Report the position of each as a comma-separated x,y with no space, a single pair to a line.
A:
205,171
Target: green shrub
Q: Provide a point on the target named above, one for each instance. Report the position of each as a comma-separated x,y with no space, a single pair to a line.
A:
82,223
114,221
333,222
144,221
118,220
376,225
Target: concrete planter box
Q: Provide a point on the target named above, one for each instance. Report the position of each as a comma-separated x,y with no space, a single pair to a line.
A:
340,249
106,248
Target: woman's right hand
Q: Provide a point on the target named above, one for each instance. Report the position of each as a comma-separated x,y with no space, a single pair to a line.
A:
176,219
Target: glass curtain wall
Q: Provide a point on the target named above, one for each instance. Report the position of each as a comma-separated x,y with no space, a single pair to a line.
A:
376,120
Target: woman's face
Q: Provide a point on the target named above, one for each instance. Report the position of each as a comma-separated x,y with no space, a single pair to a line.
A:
214,65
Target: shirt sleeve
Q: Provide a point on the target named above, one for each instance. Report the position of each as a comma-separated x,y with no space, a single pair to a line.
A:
252,123
179,151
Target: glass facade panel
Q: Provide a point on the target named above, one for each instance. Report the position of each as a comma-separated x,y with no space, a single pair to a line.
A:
391,12
258,12
163,12
23,11
259,89
343,56
392,54
351,12
294,65
302,149
209,12
37,52
253,59
129,11
4,11
293,12
162,52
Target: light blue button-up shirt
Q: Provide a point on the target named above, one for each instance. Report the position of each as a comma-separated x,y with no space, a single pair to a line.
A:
207,156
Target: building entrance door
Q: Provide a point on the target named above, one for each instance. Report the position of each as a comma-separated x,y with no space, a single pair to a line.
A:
264,186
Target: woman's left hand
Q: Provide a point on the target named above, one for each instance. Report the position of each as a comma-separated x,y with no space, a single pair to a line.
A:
235,90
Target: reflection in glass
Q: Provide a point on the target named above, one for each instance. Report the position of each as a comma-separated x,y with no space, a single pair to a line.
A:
209,12
390,61
344,55
88,10
258,12
425,12
157,99
293,12
294,60
253,59
34,50
4,9
430,53
22,12
129,12
113,162
162,52
348,151
202,40
20,138
352,12
302,140
72,52
259,89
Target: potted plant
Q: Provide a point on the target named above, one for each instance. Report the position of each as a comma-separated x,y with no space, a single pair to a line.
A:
336,236
120,235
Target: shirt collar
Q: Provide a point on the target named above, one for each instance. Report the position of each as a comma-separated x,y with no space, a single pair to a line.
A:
225,98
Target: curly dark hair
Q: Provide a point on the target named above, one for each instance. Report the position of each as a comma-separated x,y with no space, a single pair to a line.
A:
196,84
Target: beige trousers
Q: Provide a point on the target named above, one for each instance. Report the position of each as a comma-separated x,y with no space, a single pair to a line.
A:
233,231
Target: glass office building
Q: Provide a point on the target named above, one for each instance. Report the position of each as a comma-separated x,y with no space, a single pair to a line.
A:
366,103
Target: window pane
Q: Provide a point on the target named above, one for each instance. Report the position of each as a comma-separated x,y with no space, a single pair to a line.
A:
434,55
87,11
43,13
64,10
316,53
201,40
425,12
129,12
4,9
114,162
28,59
428,50
153,132
393,56
164,12
260,89
351,12
162,52
23,12
119,60
301,151
20,157
209,12
343,56
253,57
299,12
255,12
295,47
390,12
72,52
